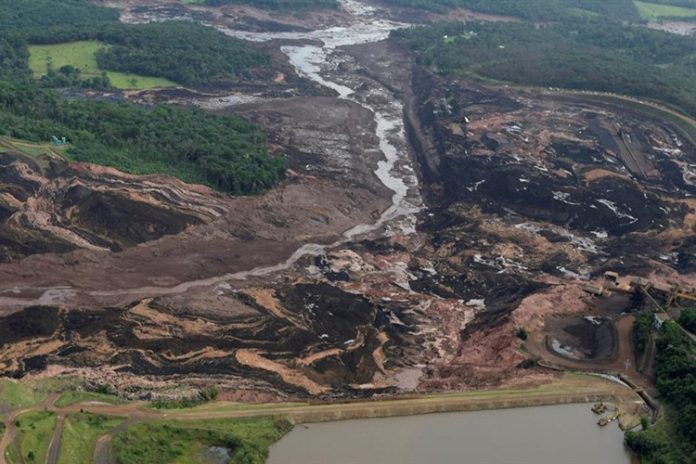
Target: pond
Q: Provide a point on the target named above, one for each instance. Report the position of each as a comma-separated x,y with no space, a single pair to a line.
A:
539,435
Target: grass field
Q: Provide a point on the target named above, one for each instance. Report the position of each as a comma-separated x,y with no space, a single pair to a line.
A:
80,433
25,394
19,395
71,397
82,55
34,433
182,442
655,12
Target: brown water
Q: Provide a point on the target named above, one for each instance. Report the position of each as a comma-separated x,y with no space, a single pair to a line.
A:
566,434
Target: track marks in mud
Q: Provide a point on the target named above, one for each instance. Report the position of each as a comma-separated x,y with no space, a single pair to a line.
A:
319,338
66,207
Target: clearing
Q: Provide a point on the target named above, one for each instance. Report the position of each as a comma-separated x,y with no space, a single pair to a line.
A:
82,55
80,435
34,433
71,397
656,12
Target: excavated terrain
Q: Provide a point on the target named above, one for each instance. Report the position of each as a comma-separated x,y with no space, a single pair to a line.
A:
528,197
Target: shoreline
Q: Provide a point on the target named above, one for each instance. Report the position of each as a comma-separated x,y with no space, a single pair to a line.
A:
569,389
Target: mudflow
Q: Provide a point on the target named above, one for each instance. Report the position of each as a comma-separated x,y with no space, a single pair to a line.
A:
423,220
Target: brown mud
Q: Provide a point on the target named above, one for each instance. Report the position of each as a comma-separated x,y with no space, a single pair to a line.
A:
529,197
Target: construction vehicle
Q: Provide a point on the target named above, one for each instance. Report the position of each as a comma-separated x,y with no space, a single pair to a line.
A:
669,293
605,420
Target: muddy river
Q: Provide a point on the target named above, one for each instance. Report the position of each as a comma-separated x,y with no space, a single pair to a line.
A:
539,435
320,62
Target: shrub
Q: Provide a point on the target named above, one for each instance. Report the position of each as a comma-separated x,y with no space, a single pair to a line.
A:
522,334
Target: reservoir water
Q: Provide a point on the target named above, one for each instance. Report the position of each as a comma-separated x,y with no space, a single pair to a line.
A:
565,434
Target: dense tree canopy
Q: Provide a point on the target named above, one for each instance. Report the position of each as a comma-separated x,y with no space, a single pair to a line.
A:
535,10
183,52
589,55
643,326
279,4
222,151
25,15
688,319
676,380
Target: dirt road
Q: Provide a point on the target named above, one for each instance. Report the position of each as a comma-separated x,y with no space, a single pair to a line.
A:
622,362
571,388
54,447
11,427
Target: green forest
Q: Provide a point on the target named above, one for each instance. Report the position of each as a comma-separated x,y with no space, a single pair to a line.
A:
183,52
224,152
588,54
672,441
279,4
535,10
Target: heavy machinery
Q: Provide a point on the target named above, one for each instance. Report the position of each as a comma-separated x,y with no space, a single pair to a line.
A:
669,293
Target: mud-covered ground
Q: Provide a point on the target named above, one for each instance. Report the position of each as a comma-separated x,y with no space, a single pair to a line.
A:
528,197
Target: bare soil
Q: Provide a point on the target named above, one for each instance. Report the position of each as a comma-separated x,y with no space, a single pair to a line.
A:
529,197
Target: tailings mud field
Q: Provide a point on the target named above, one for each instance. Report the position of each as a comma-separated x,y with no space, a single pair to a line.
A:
423,221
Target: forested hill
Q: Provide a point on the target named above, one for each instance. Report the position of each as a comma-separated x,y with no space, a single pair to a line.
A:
26,16
186,53
535,10
588,54
278,4
224,152
671,441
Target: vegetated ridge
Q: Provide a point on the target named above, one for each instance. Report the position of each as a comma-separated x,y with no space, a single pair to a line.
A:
221,151
534,10
672,440
594,55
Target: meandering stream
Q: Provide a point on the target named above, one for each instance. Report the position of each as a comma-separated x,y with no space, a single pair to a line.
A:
317,61
395,171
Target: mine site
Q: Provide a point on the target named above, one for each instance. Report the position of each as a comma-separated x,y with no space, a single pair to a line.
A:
440,238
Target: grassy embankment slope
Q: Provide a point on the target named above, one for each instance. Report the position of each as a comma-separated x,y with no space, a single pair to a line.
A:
80,434
17,394
250,429
657,12
180,442
82,55
34,433
78,396
179,435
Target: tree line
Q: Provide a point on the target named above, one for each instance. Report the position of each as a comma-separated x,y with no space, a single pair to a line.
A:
279,4
535,10
672,441
589,54
224,152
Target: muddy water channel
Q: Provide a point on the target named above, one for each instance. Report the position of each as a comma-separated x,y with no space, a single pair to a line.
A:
539,435
320,61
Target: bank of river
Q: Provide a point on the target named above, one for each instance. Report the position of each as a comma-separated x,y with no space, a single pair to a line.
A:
539,435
